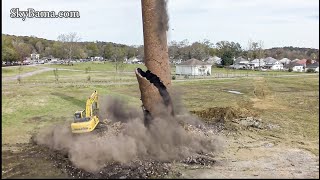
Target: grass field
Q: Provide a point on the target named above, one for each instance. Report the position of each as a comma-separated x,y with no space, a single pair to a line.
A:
290,102
97,66
14,70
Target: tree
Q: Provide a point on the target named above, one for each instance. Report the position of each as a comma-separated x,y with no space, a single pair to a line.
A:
118,58
23,50
131,51
227,58
140,52
93,49
9,54
70,43
39,47
227,51
199,50
107,53
58,50
255,50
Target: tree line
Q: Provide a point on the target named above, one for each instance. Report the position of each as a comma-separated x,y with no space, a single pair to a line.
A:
70,46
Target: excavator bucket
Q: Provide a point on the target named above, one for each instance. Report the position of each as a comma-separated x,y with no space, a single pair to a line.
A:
85,126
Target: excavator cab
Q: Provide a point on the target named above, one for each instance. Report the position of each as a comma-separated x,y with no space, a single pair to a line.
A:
86,120
79,116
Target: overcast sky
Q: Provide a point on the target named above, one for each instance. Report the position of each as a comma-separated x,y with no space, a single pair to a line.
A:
276,22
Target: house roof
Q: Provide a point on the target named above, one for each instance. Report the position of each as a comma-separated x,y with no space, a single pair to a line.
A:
314,65
135,59
216,58
270,60
239,59
193,62
257,61
285,60
302,61
292,64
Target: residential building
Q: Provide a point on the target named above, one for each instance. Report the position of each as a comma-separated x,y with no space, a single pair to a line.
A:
214,60
314,66
34,56
296,67
285,61
256,63
193,67
272,64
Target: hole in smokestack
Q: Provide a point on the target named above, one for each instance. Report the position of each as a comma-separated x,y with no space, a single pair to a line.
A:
155,80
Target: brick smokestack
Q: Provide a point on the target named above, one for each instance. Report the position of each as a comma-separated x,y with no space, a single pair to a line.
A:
155,83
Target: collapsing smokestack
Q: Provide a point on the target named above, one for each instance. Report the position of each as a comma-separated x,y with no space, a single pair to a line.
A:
155,83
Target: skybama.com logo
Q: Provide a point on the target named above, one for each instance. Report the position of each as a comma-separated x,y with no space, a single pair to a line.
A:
31,13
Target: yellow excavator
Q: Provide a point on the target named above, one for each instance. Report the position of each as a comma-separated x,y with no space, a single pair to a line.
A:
87,120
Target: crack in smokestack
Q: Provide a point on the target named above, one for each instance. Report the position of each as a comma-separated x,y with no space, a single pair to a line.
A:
155,81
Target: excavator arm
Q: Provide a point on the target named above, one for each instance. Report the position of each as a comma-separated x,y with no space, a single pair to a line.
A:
92,104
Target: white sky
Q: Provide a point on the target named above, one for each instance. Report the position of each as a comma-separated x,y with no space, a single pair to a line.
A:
276,22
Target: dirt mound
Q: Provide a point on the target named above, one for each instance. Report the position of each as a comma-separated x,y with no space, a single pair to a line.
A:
230,119
222,114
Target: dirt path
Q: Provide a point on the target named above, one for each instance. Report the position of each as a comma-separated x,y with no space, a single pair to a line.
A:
13,78
257,159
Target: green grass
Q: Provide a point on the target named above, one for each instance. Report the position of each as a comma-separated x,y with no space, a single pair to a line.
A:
97,66
14,70
291,102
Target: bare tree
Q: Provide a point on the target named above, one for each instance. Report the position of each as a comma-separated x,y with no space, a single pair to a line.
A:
69,41
23,50
260,51
39,47
118,58
255,50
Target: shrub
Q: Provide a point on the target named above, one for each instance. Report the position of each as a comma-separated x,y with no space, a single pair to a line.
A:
88,69
56,75
311,71
19,79
173,77
290,70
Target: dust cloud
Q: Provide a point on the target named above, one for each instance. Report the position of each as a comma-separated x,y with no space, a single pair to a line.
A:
162,18
165,139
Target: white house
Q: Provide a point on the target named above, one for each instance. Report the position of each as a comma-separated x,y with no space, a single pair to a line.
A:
97,58
133,60
256,63
285,61
296,67
193,67
240,63
214,60
239,60
272,64
34,56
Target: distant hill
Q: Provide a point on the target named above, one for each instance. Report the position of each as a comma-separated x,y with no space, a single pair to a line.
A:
16,48
292,53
